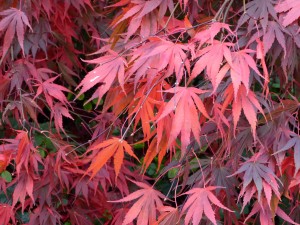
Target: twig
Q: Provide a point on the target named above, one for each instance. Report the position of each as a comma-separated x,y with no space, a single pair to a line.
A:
220,11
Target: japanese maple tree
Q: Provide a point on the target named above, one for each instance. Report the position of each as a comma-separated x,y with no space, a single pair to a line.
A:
149,112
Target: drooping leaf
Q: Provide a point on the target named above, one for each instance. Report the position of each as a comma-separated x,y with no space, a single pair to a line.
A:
294,142
169,215
108,68
259,175
57,113
199,202
208,35
7,214
266,215
144,15
187,105
159,55
246,101
292,7
13,23
23,188
239,68
212,58
274,30
52,92
257,10
144,209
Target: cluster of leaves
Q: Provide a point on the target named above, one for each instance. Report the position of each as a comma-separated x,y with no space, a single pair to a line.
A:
149,112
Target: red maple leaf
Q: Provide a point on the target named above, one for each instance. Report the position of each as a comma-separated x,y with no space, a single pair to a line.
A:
258,175
144,209
169,215
257,10
23,188
158,55
239,68
108,68
143,14
7,214
57,113
52,91
294,142
266,215
200,202
212,58
246,101
293,8
187,105
13,22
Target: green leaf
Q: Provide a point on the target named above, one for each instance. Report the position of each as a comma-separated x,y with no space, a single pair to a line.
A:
95,101
172,173
6,176
42,153
88,106
39,139
139,146
64,201
70,96
151,169
81,97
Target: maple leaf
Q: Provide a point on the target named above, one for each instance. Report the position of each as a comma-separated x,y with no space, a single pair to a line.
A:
257,10
77,5
239,68
144,209
38,39
144,15
212,58
200,202
186,104
143,106
293,8
5,157
23,188
262,176
31,107
57,113
295,143
24,148
109,67
7,214
113,146
266,215
208,35
21,72
172,56
44,214
274,30
52,91
153,150
13,22
157,55
169,215
143,109
246,101
78,217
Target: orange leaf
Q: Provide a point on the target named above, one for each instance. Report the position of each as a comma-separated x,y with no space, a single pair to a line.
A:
112,147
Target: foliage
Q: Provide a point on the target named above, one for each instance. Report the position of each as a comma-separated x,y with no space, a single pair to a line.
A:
149,112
